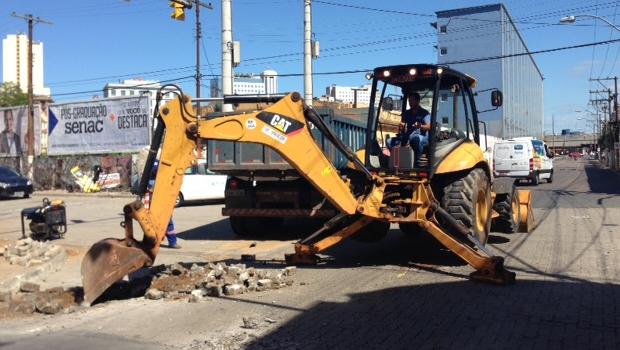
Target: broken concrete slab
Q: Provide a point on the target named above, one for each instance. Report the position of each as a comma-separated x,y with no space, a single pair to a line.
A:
29,287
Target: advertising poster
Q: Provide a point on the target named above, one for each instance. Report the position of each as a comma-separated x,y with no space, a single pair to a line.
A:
14,131
100,126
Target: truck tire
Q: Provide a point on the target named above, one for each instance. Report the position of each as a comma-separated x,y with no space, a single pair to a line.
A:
467,197
507,206
411,229
536,179
250,226
550,178
373,232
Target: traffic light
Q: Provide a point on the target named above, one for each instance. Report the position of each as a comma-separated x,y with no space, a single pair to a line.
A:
179,11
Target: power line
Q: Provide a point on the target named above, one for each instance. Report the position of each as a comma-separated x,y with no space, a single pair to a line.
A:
611,32
344,47
128,87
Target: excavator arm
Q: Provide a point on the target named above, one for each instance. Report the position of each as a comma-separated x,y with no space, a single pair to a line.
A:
284,127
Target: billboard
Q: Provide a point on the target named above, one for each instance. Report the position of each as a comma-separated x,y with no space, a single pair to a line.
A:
100,126
14,131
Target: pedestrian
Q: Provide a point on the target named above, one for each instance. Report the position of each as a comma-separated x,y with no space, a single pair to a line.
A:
171,234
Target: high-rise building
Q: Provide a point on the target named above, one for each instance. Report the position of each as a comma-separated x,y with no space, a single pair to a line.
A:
15,63
249,84
476,33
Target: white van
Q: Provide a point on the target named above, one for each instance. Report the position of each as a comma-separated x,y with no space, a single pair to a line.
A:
522,158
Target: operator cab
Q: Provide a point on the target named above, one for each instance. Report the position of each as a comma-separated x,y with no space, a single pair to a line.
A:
445,102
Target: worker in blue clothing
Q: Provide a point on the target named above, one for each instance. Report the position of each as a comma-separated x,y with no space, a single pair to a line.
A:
415,125
171,235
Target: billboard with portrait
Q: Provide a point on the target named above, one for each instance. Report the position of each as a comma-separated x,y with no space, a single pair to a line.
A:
14,131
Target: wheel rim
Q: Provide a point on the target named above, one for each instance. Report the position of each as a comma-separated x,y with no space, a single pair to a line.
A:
482,211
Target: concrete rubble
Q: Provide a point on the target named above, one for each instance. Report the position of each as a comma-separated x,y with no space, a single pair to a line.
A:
194,283
27,252
38,260
50,301
197,282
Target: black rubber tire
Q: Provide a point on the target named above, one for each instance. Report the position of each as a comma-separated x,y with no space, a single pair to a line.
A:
373,232
460,196
180,200
411,229
550,179
249,226
508,220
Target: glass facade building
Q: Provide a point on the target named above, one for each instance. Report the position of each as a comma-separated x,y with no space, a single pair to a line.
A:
485,43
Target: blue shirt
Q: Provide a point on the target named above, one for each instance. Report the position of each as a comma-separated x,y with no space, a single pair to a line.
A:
420,115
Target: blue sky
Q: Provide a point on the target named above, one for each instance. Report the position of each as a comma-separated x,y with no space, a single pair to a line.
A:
95,42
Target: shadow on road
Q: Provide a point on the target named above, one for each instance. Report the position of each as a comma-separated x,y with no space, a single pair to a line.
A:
291,229
602,180
457,315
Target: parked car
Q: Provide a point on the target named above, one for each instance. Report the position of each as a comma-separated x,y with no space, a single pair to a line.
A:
199,183
575,155
12,184
523,158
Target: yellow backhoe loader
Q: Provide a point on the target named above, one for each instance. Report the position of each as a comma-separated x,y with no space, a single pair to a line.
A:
445,190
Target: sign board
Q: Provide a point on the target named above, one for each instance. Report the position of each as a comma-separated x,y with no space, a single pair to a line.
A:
100,126
14,131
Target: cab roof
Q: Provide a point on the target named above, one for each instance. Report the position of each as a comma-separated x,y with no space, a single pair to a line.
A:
401,76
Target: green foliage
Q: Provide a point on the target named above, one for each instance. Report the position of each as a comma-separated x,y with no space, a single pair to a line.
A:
11,95
606,140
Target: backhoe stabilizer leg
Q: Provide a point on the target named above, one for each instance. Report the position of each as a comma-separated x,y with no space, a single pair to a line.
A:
306,254
489,269
494,272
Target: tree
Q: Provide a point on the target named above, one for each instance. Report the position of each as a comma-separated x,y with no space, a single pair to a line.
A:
11,95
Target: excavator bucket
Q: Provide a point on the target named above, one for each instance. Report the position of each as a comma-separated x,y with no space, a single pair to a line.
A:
108,261
526,214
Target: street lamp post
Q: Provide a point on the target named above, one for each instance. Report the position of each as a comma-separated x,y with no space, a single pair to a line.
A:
571,19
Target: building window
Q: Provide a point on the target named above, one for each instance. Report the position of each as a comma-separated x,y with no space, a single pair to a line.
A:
122,92
443,29
443,51
444,97
131,92
112,92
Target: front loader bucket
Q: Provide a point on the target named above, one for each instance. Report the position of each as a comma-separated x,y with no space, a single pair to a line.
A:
108,261
526,214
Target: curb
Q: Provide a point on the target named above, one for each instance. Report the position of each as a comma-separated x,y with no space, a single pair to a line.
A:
52,265
82,194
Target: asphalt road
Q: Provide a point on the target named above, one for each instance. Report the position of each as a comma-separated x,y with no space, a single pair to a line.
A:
402,292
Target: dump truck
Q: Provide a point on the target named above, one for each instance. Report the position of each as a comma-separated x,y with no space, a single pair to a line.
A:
263,189
449,192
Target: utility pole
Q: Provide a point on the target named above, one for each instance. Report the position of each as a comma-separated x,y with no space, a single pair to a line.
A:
227,47
198,76
553,132
308,52
30,135
198,42
613,119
